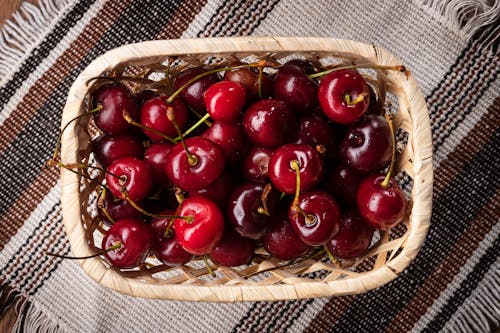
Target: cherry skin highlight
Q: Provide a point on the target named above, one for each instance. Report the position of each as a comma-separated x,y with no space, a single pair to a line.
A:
131,174
154,115
224,100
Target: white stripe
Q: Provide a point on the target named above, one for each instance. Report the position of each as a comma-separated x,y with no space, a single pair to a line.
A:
201,19
45,65
452,287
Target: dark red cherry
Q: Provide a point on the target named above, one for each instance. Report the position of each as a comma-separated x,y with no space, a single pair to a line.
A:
293,86
109,148
114,99
316,132
373,108
233,249
159,225
208,164
305,65
156,157
230,137
246,210
344,96
131,174
135,239
201,232
219,190
281,241
316,219
367,145
145,95
353,238
154,115
193,94
117,209
283,176
343,185
224,100
170,252
269,123
250,80
381,207
255,166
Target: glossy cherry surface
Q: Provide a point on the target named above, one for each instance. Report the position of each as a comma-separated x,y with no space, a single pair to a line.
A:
318,218
293,86
367,145
154,115
230,137
284,177
113,98
338,95
117,209
135,238
233,249
269,123
353,238
343,185
208,166
250,80
225,100
131,174
193,94
156,157
109,148
315,131
381,207
219,190
170,252
255,166
202,232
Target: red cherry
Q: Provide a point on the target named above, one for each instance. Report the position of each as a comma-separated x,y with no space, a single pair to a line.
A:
219,190
225,100
193,94
206,168
250,80
344,96
117,209
154,115
353,238
381,207
269,123
109,148
200,233
283,176
170,252
131,174
156,157
233,249
316,219
296,89
255,166
113,99
343,184
230,137
281,241
315,131
145,95
135,239
159,225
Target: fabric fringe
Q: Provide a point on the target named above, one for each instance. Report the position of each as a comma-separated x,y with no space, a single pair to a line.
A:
481,311
25,30
34,319
466,17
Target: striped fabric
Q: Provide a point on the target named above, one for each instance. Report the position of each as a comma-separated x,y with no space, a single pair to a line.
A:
452,285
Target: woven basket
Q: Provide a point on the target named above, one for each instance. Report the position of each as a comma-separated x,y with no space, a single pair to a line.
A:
268,279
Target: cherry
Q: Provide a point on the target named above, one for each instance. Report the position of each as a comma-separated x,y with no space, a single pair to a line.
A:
156,157
316,132
353,238
132,240
367,145
219,190
344,96
225,100
130,174
373,107
305,65
170,252
196,165
108,148
116,209
113,99
343,184
145,95
250,80
193,94
161,226
282,173
230,137
295,88
255,166
233,249
281,241
154,115
381,204
269,123
201,229
251,209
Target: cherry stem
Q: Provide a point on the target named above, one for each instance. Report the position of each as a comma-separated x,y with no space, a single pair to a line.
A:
192,159
101,206
331,256
179,195
399,68
264,209
386,181
348,98
84,166
132,122
209,269
113,247
309,219
260,63
197,114
192,128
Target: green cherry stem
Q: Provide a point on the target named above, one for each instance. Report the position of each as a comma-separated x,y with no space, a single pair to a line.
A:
192,128
197,114
192,159
399,68
117,245
330,255
132,122
385,182
309,219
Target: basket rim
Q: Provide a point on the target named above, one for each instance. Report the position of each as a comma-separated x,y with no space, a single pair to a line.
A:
422,169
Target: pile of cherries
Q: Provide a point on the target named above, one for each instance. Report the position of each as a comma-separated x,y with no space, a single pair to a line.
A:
223,161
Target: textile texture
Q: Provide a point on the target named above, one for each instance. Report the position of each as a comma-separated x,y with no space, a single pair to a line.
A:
451,48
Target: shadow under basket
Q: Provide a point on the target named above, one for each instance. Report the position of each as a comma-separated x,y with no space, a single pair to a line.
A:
265,278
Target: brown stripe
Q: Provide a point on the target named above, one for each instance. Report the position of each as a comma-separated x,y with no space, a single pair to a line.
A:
444,273
213,25
180,21
42,89
456,161
242,10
